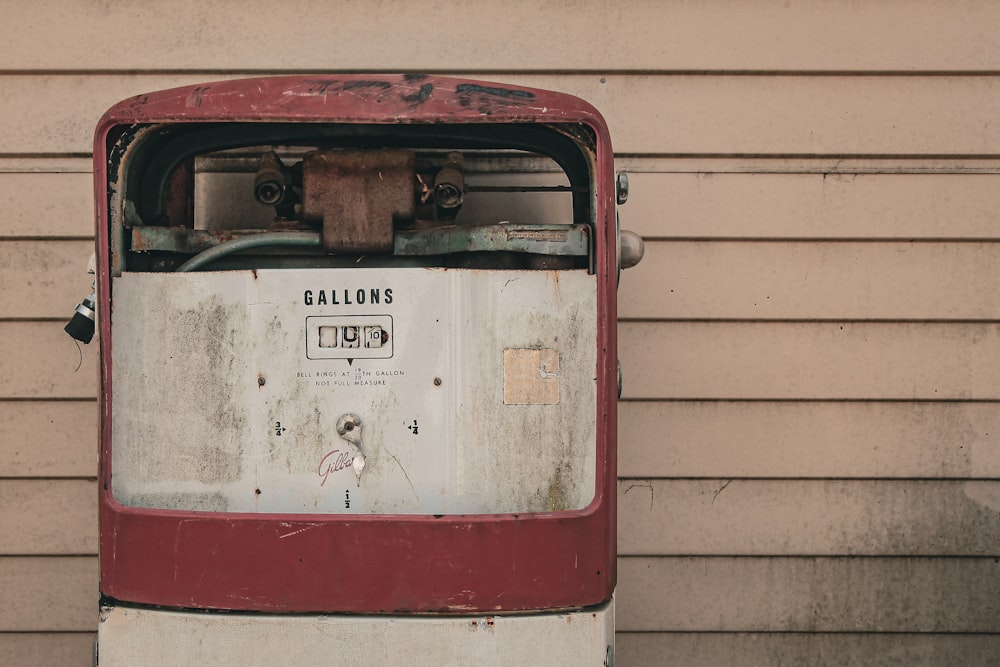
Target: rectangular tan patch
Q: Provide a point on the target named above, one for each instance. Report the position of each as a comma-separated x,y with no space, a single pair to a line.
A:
530,377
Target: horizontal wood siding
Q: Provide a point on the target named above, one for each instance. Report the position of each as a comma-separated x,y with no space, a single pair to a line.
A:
46,278
782,594
656,594
48,438
670,360
747,517
663,114
756,517
39,361
48,516
724,202
683,439
928,201
54,593
66,649
814,280
897,35
809,439
840,649
809,460
808,280
810,360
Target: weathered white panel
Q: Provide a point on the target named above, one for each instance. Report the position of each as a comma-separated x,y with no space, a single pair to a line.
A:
800,360
840,649
789,594
735,517
817,205
48,438
792,439
52,593
647,114
39,360
221,402
129,637
814,280
632,34
41,516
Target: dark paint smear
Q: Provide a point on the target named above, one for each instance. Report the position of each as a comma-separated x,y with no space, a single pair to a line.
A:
466,88
353,85
198,94
324,85
414,77
421,96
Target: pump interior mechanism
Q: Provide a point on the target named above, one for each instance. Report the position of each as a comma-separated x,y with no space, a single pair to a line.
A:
477,196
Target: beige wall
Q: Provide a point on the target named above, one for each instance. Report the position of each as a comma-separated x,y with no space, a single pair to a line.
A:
810,429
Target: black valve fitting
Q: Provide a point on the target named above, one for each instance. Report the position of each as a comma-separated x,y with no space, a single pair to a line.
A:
449,184
270,185
81,326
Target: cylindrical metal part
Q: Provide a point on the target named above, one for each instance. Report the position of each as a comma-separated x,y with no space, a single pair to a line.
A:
449,184
270,184
632,249
81,326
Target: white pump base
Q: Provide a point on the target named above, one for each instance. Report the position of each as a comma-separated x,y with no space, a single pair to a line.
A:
139,636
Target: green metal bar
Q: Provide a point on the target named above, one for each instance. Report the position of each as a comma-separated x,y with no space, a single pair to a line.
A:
560,240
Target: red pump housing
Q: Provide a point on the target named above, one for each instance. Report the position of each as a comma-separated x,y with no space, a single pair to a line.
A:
363,562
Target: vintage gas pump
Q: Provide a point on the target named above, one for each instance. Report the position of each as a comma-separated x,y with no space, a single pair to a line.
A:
358,374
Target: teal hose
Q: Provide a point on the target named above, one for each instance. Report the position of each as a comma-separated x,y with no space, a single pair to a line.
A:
306,239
